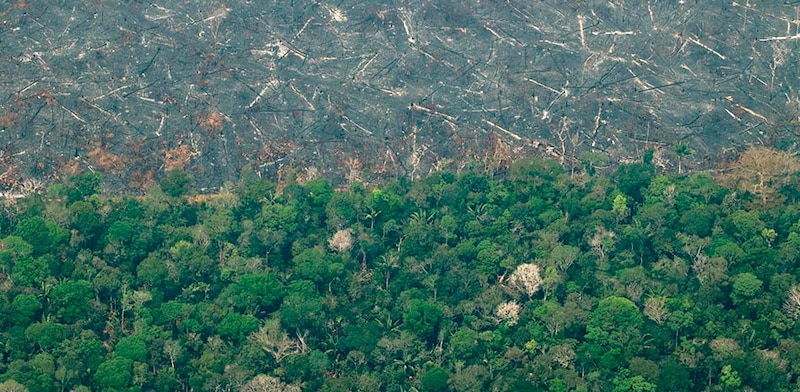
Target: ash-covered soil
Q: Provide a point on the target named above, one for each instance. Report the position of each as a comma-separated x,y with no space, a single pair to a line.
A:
368,89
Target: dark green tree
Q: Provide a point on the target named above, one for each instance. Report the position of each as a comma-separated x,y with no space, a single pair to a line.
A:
633,178
434,379
79,356
86,221
745,286
615,324
115,374
155,272
237,327
25,308
29,271
131,347
45,335
46,235
302,308
624,382
71,301
176,183
254,293
424,318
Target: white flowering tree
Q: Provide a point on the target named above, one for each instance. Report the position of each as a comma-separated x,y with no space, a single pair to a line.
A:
526,279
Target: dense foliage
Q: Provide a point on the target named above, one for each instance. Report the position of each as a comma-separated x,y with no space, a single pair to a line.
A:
536,281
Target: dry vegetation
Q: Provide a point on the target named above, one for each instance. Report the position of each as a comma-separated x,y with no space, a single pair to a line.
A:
761,171
105,160
177,157
7,120
342,240
210,121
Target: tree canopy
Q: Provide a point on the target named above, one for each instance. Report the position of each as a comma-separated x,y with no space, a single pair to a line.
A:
537,279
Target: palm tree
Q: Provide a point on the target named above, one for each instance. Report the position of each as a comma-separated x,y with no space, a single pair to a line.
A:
389,262
683,150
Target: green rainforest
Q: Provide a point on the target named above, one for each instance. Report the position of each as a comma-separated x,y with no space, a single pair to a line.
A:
532,278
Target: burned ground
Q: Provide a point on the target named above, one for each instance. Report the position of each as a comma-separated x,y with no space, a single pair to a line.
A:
364,90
